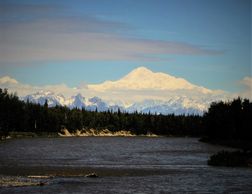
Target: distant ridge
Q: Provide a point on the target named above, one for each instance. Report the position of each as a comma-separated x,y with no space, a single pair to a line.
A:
176,106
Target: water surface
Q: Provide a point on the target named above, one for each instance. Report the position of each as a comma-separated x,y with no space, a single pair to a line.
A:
124,165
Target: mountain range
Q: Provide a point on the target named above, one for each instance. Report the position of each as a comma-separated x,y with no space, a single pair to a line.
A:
140,90
177,106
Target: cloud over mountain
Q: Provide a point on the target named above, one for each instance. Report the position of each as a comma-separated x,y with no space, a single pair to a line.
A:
141,90
247,83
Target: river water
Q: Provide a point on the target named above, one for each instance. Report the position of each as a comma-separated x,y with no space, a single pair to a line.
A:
123,164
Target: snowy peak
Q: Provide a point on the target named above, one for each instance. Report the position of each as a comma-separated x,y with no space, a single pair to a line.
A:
142,78
139,72
77,101
40,97
79,97
97,103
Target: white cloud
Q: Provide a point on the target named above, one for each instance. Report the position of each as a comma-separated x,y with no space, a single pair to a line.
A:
8,80
247,83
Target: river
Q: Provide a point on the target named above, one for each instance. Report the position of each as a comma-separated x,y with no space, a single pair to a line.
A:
123,164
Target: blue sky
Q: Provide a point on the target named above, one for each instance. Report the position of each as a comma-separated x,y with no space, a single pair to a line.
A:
207,42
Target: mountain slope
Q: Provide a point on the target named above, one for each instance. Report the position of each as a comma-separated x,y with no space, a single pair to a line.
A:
41,97
77,101
144,79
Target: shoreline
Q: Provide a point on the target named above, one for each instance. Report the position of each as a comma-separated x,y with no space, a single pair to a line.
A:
56,135
100,133
82,133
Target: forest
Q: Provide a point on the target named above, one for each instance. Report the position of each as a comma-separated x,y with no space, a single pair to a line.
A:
224,120
22,116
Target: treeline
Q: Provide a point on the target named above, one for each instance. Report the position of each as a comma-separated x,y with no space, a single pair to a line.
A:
229,120
229,123
223,120
19,116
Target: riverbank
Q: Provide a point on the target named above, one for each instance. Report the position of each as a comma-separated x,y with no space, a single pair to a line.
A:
94,132
101,132
77,133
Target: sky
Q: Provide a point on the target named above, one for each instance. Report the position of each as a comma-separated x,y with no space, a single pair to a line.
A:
207,42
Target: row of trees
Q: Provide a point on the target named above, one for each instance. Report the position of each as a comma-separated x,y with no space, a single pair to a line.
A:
223,120
16,115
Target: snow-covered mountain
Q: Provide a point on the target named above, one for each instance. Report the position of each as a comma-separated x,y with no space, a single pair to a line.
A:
180,105
77,101
41,97
96,103
142,78
140,90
